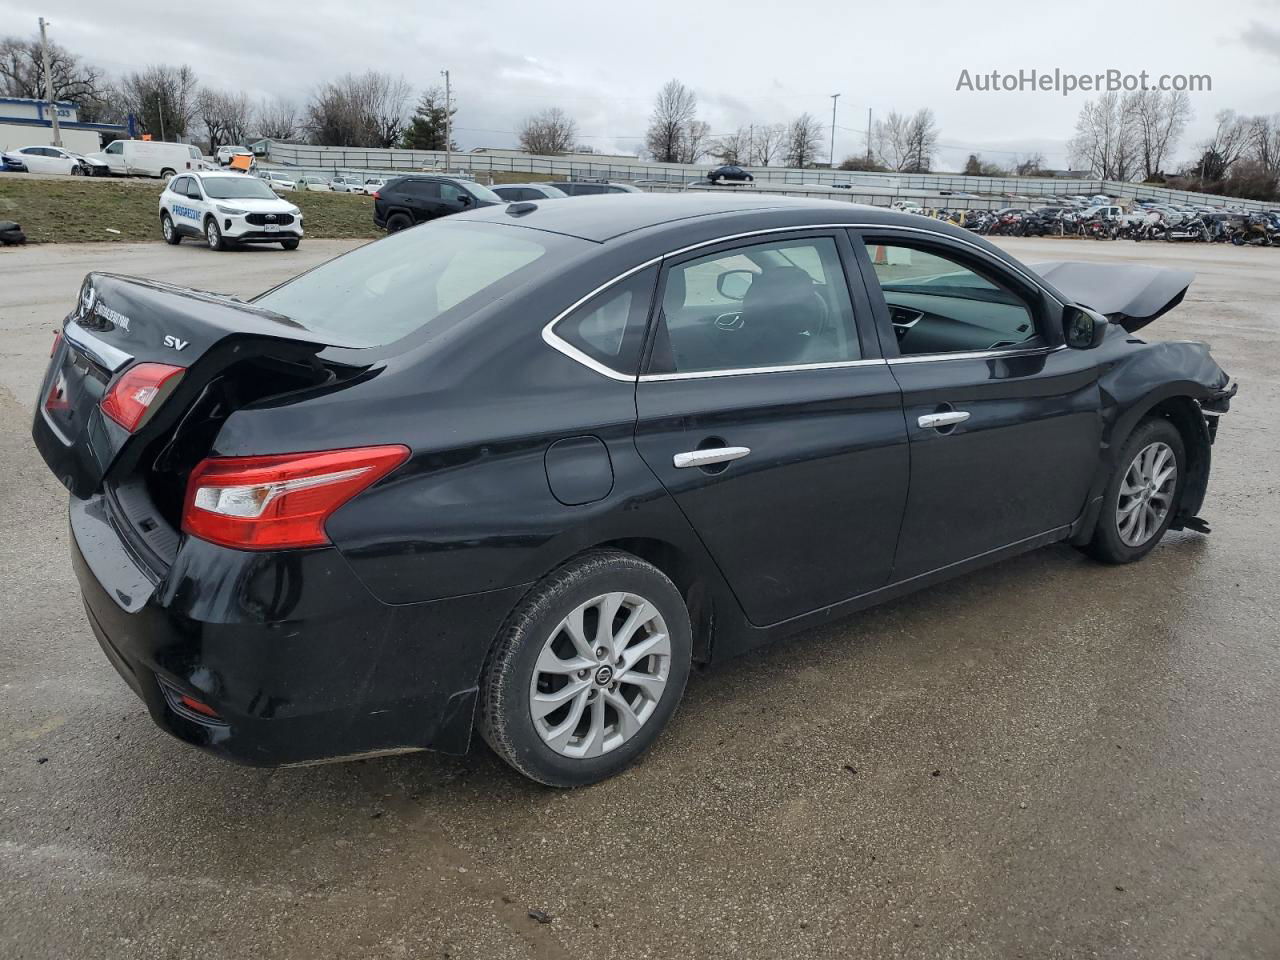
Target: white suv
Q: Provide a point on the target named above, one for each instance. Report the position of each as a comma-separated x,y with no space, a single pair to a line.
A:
225,153
227,208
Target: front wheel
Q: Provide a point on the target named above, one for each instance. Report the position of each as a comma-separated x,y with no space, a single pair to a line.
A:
290,244
213,236
587,670
1143,494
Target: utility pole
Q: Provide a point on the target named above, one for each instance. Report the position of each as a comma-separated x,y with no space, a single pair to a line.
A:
868,134
48,83
160,110
448,123
834,98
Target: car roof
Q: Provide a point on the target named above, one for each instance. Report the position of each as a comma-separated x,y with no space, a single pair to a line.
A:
606,216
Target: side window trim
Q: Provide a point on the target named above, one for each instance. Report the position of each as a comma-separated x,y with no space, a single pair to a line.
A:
1035,296
556,342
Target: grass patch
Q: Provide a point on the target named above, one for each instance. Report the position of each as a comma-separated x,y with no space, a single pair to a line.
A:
77,211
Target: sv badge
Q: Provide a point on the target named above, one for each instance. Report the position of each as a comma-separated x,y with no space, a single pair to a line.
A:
172,341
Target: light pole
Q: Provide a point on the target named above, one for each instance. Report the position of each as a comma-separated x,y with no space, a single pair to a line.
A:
48,84
448,123
834,97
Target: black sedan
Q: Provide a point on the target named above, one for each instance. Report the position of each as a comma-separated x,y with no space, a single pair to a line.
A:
729,171
517,470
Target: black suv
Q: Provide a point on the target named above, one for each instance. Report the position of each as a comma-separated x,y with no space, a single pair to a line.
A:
404,201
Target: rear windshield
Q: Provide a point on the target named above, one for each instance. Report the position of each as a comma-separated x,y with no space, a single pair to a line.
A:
386,290
232,188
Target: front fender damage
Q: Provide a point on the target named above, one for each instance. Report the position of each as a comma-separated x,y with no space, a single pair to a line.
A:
1177,380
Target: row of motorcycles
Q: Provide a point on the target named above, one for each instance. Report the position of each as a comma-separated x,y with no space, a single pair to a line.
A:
1241,229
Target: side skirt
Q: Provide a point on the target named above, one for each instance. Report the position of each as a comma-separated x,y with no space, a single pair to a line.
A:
743,637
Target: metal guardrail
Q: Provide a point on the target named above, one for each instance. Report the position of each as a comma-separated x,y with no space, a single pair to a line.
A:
882,187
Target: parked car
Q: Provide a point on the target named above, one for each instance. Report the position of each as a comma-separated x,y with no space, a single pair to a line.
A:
346,183
280,182
729,171
224,209
12,163
371,185
587,188
528,502
418,197
225,153
528,191
311,182
149,158
42,159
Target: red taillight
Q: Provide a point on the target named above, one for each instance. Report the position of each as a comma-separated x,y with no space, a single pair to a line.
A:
376,195
191,703
282,501
57,342
131,396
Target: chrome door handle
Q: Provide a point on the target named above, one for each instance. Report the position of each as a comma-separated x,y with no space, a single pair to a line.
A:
709,456
948,418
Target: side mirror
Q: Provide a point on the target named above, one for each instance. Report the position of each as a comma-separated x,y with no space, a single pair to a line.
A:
464,200
1083,328
734,284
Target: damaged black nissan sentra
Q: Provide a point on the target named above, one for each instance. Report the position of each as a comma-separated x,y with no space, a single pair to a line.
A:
516,470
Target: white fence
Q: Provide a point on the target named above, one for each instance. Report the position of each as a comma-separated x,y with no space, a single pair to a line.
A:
929,190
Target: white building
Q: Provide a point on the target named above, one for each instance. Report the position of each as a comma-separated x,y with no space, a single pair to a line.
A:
27,123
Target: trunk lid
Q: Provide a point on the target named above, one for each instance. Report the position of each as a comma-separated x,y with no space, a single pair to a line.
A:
1132,295
122,321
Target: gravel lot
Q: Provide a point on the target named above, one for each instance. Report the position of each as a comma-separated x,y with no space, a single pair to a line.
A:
1048,759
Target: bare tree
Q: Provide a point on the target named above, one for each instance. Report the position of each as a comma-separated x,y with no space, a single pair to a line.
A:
163,98
732,147
387,98
550,132
22,75
975,166
1029,165
696,139
891,141
922,142
277,119
675,107
225,116
804,138
1231,139
1107,140
1160,119
368,110
1265,143
767,143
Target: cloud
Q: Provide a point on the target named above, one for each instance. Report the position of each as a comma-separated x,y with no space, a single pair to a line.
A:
1263,39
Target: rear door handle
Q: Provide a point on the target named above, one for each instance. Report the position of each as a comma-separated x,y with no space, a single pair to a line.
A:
711,455
948,418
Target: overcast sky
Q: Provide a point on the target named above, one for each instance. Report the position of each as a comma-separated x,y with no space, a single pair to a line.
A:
760,63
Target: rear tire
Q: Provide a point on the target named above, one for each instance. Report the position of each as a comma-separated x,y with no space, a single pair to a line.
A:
169,231
1140,502
397,222
569,711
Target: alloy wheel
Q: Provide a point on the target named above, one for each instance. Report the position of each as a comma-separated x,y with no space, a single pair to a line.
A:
212,235
1146,493
600,675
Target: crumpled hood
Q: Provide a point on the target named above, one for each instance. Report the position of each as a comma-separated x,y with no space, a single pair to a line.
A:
1129,294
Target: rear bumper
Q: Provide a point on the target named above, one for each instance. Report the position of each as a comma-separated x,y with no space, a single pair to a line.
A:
300,662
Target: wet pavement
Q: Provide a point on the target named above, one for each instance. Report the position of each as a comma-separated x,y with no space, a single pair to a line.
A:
1046,759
